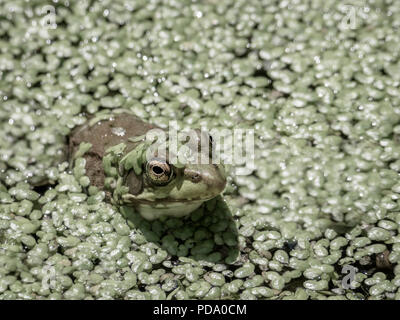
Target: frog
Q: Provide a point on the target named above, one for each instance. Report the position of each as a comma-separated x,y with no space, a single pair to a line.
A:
156,187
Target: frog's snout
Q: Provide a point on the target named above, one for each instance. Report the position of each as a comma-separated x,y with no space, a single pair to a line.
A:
193,175
215,181
211,175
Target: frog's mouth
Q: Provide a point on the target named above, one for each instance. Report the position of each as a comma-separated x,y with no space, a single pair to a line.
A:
152,210
163,201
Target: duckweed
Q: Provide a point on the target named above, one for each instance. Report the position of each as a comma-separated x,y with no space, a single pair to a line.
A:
321,93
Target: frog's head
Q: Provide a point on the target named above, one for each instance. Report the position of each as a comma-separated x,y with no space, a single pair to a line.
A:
165,189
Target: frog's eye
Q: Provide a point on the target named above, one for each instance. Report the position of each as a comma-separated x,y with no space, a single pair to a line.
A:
158,171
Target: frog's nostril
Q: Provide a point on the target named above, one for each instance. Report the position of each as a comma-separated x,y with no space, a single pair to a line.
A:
195,178
193,175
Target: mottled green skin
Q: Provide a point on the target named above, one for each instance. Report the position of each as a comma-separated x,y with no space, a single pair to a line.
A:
179,197
101,137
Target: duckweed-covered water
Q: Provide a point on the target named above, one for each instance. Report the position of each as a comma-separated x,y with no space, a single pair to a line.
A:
318,80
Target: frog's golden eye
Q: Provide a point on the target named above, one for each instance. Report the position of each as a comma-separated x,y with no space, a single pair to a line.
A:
159,171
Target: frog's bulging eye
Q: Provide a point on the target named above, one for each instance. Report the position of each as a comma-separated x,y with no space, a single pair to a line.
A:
159,171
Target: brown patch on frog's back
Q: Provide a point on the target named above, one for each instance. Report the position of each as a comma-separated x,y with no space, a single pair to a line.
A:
102,135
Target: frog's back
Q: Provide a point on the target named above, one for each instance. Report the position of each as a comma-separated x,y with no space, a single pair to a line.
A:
102,135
